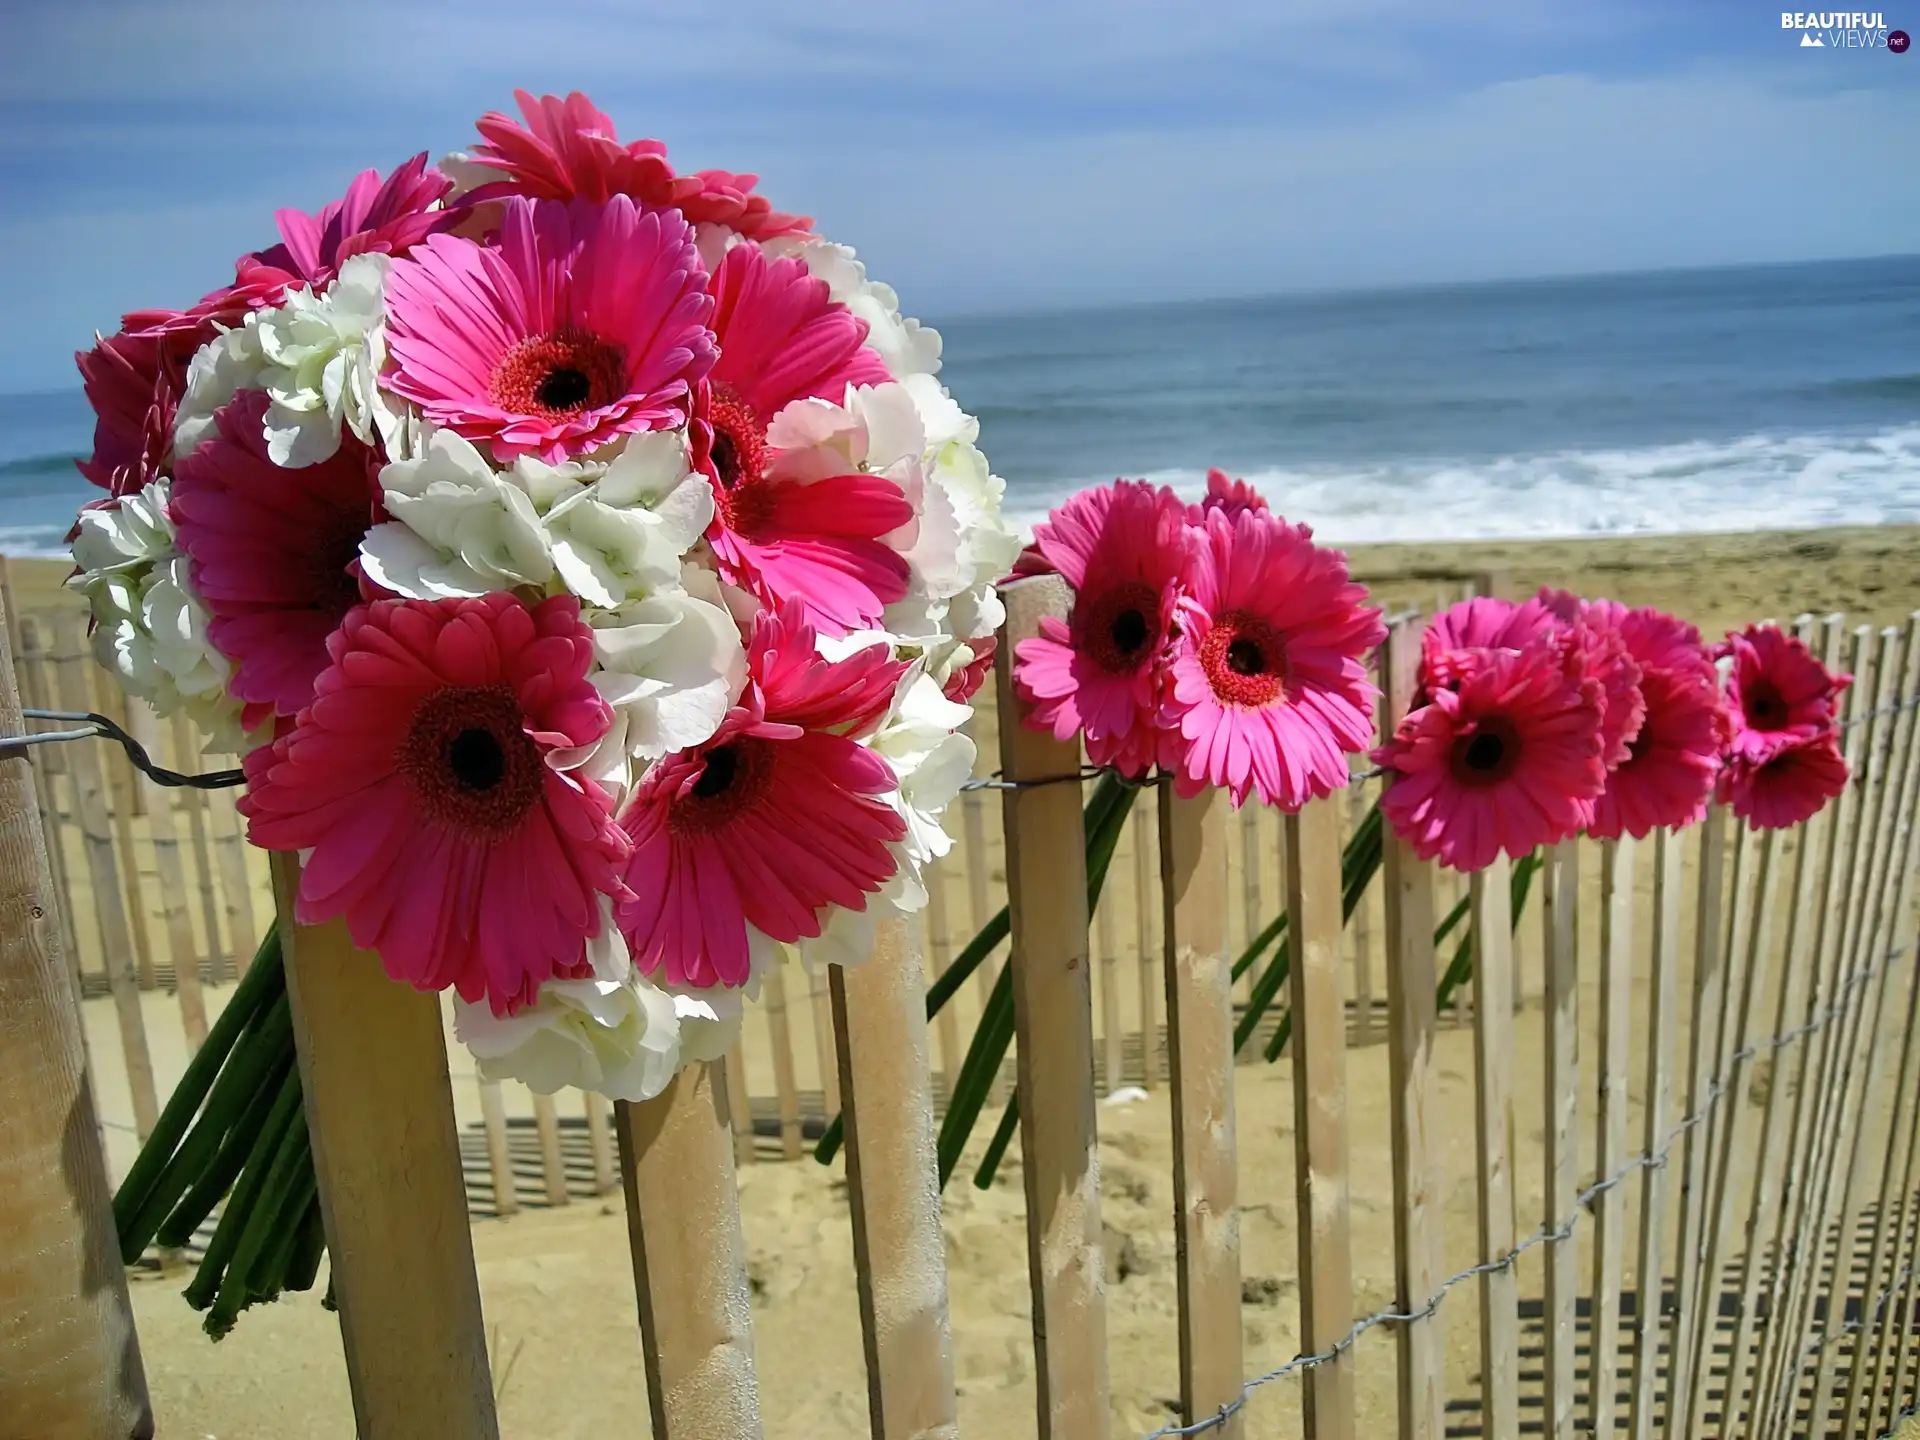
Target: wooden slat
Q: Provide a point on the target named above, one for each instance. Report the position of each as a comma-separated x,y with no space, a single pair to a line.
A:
829,1068
786,1088
1663,989
739,1104
1730,1168
1414,1097
1610,1144
1823,960
123,782
1895,1204
69,1360
894,1190
1146,884
1870,943
36,691
373,1076
1252,862
980,906
188,760
1560,901
1107,953
493,1122
606,1169
940,952
1708,984
553,1164
1206,1177
185,953
1895,1351
1046,882
90,799
1493,1135
1360,928
1320,1149
236,885
689,1260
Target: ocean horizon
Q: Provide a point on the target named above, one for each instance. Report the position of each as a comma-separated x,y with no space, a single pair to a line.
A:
1735,398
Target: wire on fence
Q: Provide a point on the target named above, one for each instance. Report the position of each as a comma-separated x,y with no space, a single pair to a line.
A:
100,727
1544,1235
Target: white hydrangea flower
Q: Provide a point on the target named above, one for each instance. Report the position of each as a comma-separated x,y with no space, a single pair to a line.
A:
670,666
322,355
907,346
123,534
220,369
709,1021
621,535
459,528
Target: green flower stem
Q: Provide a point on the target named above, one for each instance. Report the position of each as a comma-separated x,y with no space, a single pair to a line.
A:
991,1041
273,1205
997,1147
308,1246
260,1051
255,992
269,1275
216,1179
205,1288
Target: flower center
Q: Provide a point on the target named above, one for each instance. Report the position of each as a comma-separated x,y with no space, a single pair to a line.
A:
557,376
1487,756
471,763
738,456
1244,660
1117,627
1763,707
733,777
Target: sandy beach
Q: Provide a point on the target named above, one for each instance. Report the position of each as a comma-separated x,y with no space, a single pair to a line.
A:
556,1284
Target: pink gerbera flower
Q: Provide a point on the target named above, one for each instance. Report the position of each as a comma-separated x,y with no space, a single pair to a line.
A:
374,217
1509,760
134,383
567,149
778,816
1788,782
1778,692
273,552
1122,548
784,530
1226,493
1485,622
586,323
1269,691
420,782
1590,633
1668,773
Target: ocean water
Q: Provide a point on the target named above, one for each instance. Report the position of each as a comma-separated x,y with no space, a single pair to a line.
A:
1778,397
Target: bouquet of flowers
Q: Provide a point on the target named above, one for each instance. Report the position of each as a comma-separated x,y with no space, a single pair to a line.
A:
590,566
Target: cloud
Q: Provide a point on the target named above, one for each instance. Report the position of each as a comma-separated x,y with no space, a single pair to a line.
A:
996,156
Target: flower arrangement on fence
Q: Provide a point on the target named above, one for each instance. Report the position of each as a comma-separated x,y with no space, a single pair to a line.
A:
592,571
1217,643
590,566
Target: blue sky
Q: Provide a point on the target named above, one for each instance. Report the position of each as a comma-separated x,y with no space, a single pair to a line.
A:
986,155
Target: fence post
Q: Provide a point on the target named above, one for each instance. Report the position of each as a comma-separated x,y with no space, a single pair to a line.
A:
1206,1176
1411,1023
886,1084
123,788
689,1261
1053,1020
1146,874
1610,1148
90,800
69,1359
1560,905
373,1078
36,692
1663,987
1492,898
1319,1044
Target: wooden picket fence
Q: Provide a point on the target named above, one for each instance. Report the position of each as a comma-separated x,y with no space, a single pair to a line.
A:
1722,1023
